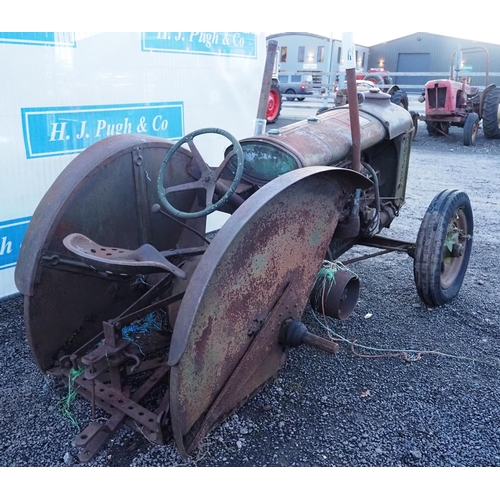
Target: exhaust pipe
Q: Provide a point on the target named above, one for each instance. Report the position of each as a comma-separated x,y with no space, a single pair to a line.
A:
335,293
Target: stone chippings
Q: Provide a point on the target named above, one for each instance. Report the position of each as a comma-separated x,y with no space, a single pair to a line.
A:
324,410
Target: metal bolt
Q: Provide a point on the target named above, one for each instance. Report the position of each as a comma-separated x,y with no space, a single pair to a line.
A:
457,250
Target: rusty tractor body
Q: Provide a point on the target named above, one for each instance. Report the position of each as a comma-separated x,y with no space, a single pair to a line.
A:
398,96
169,330
456,103
376,77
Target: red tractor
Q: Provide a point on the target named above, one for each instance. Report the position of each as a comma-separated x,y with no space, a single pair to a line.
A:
378,76
274,103
454,102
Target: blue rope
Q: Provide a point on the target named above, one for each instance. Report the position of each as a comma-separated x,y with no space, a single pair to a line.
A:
148,324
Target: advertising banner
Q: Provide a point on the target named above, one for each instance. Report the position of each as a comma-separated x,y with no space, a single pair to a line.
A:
62,92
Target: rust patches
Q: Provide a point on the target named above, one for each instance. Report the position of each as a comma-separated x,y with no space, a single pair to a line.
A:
281,238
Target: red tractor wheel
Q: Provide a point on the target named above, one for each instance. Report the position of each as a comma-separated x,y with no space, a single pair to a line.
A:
273,104
375,79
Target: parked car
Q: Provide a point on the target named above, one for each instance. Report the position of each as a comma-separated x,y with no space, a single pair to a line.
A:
293,85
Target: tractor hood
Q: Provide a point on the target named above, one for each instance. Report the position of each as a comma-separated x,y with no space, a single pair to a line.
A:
322,140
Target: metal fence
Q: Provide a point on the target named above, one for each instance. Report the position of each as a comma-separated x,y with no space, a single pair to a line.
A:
410,82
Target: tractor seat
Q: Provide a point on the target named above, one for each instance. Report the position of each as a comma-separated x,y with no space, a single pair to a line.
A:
145,260
472,91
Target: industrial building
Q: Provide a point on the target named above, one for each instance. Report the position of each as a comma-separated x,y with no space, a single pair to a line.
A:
316,55
426,52
416,53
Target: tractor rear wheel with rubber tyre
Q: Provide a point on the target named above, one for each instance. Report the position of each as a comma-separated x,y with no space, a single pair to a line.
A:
443,247
491,114
400,97
471,127
274,103
375,79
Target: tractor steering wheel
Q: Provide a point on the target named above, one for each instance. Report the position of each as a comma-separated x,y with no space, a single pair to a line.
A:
208,178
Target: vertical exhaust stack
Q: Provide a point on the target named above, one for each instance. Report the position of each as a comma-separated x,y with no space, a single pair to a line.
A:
260,121
349,55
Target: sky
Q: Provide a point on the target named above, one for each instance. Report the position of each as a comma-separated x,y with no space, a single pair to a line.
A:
376,27
374,37
371,23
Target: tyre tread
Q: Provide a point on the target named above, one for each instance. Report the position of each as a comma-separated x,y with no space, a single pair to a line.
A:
491,127
428,249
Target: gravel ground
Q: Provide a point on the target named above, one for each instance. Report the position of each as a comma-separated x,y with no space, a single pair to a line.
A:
323,410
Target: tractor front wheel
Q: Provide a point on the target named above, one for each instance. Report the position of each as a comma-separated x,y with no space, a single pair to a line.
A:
491,114
471,127
443,247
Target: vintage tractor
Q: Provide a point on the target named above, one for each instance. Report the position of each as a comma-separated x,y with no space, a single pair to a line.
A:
275,100
379,77
168,329
398,96
455,103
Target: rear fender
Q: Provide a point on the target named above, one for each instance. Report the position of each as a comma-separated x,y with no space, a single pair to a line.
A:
317,190
392,89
